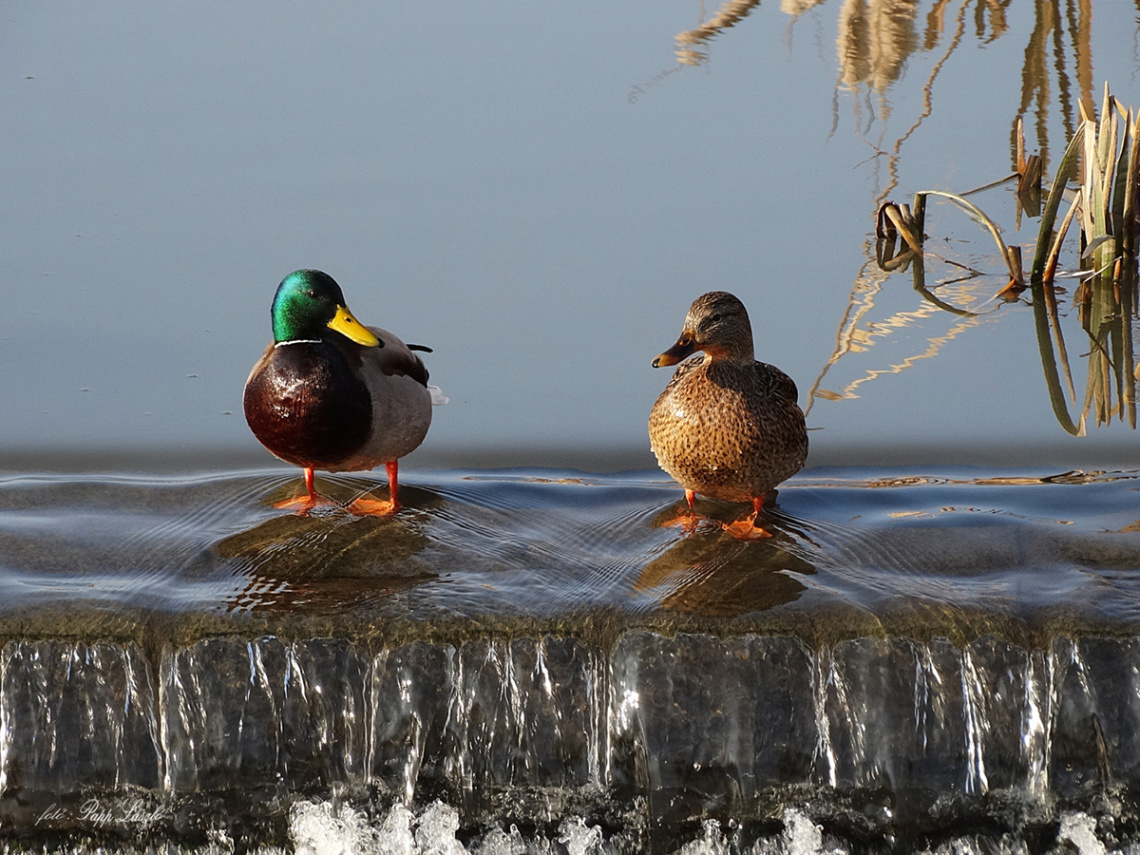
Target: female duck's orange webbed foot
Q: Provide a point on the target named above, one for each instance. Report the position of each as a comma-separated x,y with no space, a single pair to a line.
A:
304,504
366,507
688,520
745,528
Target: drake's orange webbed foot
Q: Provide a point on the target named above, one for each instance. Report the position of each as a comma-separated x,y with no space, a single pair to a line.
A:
366,507
305,503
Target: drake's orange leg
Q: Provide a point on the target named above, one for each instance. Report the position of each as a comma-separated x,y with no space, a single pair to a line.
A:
745,528
306,503
366,507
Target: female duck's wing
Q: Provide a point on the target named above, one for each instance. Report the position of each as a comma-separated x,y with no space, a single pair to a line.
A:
775,383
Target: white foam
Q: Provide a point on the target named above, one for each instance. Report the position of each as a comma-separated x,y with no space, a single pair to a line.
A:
579,838
1080,830
499,842
711,843
321,828
435,833
801,836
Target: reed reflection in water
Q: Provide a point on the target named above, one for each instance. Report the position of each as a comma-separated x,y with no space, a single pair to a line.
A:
1104,202
877,39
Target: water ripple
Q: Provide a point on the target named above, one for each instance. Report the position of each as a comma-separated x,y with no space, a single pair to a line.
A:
541,543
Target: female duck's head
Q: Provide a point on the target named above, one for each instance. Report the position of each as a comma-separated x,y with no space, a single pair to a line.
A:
716,323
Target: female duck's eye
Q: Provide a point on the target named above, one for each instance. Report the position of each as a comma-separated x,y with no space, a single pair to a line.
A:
714,318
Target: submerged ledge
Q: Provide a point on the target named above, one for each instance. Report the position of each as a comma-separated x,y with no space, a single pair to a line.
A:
954,553
815,627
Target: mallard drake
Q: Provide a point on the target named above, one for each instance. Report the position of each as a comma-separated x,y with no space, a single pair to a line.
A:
332,394
726,426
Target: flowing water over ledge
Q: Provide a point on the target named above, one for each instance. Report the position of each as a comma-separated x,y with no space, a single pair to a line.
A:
944,660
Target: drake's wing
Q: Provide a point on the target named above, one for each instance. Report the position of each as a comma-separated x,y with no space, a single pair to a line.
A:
393,357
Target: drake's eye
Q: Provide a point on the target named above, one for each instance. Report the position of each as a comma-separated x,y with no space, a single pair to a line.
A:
312,295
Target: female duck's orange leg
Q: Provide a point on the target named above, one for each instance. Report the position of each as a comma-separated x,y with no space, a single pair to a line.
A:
745,528
688,520
365,507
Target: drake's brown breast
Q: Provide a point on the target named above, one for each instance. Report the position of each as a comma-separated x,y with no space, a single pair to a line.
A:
305,404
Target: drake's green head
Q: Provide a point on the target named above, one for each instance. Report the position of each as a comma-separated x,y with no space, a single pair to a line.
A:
307,303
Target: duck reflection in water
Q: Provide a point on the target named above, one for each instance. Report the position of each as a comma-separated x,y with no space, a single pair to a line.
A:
328,563
726,426
711,575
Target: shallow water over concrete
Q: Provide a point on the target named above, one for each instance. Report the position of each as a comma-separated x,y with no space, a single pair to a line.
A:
922,547
912,657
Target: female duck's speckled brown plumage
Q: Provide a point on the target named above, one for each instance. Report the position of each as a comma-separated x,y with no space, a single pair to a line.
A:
726,426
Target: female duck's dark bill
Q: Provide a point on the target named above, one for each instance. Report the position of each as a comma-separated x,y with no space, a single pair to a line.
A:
681,350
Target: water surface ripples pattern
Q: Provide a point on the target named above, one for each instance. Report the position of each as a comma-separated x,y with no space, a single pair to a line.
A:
537,544
938,660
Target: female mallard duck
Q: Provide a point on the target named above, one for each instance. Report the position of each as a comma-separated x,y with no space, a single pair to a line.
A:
726,426
332,394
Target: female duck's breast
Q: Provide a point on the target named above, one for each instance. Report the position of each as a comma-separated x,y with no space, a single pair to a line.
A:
703,441
685,429
306,406
724,434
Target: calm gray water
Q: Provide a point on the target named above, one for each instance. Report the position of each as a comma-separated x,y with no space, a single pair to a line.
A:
537,192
